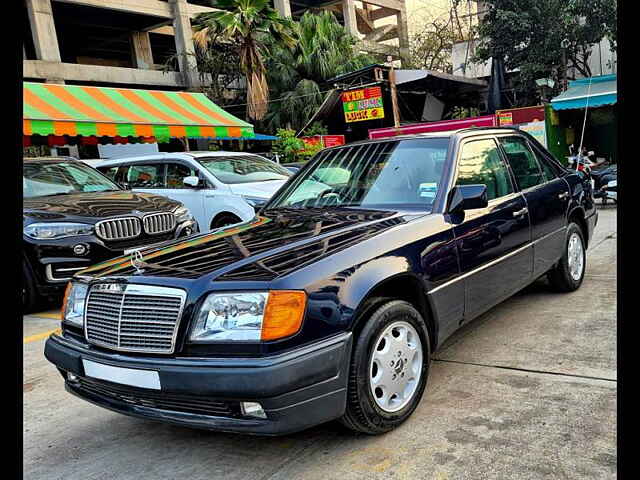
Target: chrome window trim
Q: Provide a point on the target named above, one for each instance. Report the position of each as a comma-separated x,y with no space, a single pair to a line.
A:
493,262
142,290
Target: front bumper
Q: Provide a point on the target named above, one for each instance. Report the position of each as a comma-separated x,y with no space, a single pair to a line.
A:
54,261
297,390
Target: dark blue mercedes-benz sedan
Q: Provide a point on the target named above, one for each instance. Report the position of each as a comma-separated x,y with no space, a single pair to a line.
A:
330,302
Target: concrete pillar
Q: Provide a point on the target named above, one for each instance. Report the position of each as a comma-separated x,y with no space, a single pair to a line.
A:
43,30
349,15
403,33
283,7
141,53
184,42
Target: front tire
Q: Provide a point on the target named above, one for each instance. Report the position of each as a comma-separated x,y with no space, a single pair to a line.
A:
568,274
389,369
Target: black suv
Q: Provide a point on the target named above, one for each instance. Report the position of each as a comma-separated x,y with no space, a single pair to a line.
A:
74,217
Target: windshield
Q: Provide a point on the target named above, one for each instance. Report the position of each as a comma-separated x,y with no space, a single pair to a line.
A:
45,178
397,173
244,169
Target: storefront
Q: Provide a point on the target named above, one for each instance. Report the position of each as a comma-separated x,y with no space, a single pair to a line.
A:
75,120
597,96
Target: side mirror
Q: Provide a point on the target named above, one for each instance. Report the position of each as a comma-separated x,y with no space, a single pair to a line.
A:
467,197
125,186
191,181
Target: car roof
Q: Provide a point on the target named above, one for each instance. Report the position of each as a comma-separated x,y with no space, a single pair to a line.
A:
445,134
173,155
48,159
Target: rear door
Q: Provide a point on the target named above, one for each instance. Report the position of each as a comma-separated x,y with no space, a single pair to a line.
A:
493,242
547,197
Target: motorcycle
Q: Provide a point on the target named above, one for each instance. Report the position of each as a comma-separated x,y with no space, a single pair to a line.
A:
605,183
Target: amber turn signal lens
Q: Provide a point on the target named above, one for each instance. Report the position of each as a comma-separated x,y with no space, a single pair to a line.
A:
283,314
63,310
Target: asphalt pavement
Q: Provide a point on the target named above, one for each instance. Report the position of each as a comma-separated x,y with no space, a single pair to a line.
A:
526,391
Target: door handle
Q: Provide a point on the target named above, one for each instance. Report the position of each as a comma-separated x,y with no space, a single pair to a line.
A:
520,212
562,196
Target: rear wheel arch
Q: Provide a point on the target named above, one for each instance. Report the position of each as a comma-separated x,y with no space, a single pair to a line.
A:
577,216
404,286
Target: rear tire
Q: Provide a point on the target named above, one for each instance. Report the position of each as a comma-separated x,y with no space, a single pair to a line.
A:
568,274
379,398
30,297
223,220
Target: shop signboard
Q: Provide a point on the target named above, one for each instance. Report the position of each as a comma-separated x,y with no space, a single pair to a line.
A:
362,104
324,140
528,119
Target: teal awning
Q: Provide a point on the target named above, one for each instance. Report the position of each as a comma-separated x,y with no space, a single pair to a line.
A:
604,91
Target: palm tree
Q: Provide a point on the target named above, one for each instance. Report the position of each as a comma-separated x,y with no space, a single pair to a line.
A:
249,24
324,49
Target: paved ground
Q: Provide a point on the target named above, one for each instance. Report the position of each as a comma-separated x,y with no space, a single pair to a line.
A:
526,391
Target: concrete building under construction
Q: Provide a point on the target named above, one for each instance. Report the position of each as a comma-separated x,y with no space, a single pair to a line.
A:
127,42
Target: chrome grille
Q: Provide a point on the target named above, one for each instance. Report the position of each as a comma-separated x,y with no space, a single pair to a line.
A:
118,228
134,318
157,223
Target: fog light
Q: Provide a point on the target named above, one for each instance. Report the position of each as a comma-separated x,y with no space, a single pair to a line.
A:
80,249
252,409
72,378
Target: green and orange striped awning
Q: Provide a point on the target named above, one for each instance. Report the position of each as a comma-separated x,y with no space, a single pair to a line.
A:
50,109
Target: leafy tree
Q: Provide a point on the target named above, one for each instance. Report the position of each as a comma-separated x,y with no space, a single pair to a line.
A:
430,47
219,62
528,35
323,50
288,147
249,24
316,128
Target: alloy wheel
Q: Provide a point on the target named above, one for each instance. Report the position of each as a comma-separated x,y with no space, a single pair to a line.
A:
575,254
395,366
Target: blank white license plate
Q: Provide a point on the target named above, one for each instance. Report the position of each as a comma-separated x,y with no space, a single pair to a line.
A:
124,376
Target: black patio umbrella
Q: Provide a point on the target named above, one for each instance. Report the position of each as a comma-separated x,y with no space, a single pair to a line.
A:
497,85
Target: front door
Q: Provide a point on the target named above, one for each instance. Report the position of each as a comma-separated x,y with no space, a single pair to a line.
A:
547,198
493,242
190,197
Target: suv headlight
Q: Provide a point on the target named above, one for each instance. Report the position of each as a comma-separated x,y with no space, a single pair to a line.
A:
182,214
45,231
249,316
255,202
73,303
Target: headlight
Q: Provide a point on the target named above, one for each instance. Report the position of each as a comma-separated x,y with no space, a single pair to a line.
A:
182,214
44,231
73,303
249,316
255,202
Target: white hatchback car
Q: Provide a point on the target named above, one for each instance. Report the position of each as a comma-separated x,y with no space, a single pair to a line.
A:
219,188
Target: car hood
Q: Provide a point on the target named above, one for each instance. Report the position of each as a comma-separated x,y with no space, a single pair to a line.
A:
273,244
257,189
95,206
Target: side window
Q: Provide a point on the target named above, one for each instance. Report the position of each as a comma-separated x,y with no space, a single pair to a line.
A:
176,173
110,172
146,176
480,163
522,161
548,170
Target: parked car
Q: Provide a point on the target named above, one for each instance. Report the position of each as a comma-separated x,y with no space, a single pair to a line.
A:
219,188
328,304
74,217
293,167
